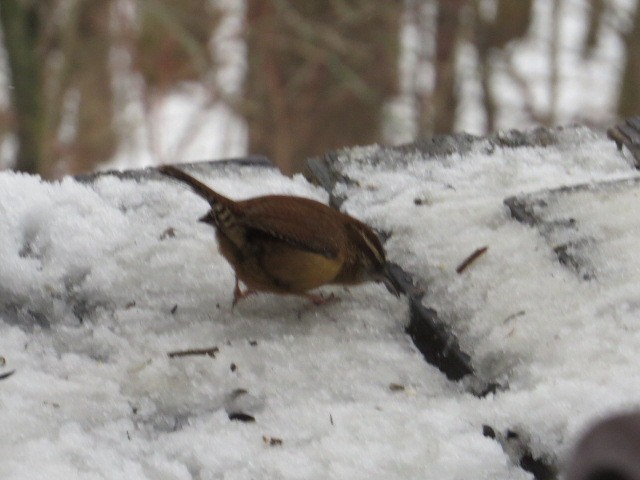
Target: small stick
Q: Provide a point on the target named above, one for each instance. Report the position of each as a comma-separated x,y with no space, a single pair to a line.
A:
470,259
272,441
514,315
210,352
7,374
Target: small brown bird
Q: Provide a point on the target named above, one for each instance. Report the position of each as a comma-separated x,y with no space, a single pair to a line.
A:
289,245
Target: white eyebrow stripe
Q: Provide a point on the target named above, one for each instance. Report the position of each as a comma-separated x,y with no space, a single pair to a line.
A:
372,247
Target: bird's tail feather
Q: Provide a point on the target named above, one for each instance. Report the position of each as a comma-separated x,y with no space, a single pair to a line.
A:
222,214
211,196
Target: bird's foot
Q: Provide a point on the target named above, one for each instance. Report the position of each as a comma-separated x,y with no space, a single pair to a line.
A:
321,299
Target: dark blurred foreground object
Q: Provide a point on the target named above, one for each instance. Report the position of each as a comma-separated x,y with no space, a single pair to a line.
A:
609,451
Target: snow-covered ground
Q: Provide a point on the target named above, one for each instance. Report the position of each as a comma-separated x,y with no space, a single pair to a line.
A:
100,281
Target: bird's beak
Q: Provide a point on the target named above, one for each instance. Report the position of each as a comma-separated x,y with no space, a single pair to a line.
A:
389,281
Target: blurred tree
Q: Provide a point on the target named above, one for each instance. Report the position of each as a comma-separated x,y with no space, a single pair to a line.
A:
444,100
489,34
171,45
21,26
629,97
596,14
85,46
60,64
319,74
510,22
172,42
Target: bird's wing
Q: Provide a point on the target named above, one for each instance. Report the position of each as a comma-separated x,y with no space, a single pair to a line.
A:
302,223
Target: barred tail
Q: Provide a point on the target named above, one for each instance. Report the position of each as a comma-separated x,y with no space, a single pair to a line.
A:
221,214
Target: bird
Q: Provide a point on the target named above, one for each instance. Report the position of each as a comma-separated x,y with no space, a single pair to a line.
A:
289,245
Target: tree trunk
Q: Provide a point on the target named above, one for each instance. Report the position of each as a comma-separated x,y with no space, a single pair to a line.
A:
445,96
629,99
511,22
21,28
89,75
319,74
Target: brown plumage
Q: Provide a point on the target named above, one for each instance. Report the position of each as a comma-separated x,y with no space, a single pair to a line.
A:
289,245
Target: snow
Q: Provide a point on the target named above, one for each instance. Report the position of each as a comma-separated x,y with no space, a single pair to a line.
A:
564,346
100,281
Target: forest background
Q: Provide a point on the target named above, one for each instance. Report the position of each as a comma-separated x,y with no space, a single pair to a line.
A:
90,84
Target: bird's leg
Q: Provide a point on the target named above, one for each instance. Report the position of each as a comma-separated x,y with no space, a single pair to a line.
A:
239,294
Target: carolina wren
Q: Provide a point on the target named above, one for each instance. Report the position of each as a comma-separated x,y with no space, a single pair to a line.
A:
289,245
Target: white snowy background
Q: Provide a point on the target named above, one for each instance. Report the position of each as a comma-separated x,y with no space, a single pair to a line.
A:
100,281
